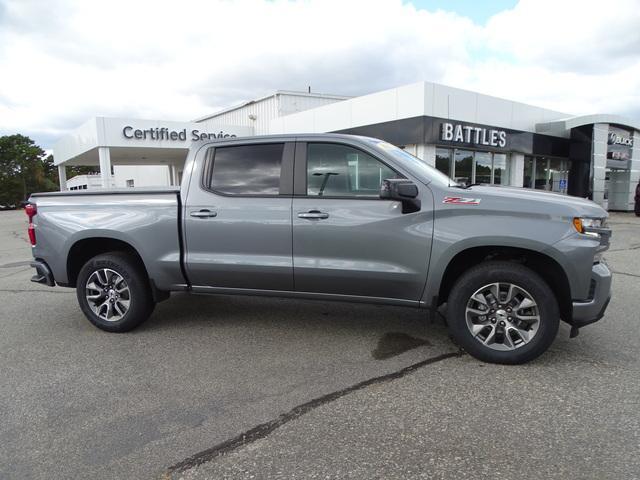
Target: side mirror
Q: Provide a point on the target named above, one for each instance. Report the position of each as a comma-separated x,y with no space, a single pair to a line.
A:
401,190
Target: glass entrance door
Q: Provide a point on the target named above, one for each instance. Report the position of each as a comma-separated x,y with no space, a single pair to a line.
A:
551,174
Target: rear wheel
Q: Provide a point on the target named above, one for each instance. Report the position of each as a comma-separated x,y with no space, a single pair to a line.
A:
113,292
503,312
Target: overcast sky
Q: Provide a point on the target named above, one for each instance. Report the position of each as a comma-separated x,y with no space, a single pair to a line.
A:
64,61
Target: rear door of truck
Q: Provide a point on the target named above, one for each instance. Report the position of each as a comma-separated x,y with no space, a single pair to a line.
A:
237,220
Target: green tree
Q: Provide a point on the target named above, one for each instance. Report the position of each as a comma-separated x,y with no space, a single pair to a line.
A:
24,169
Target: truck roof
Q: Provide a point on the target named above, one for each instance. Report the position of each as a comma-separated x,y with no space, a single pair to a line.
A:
284,137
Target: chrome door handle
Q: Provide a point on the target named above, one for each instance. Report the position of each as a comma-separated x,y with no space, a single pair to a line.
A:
313,215
203,214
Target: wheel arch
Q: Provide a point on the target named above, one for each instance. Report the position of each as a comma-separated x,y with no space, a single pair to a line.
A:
84,249
544,265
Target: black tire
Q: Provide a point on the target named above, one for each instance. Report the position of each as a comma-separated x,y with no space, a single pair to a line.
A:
508,272
139,294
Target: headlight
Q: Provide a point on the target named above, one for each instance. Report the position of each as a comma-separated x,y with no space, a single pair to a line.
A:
587,225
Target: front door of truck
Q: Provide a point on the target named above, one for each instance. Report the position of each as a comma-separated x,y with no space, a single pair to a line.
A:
348,241
238,218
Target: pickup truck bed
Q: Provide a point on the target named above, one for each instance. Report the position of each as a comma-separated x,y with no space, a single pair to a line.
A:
71,225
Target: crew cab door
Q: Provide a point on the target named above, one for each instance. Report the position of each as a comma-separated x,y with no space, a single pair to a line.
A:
238,218
348,241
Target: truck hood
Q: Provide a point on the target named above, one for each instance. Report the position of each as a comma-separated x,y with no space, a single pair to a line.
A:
530,201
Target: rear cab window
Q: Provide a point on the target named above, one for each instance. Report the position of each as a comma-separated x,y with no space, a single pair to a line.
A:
245,170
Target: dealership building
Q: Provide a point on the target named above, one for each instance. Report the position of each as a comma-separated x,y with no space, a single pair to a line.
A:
473,138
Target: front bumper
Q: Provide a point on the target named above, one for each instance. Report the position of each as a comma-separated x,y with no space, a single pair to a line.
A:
43,273
592,310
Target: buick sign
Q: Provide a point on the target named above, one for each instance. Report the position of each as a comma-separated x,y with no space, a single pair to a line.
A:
617,139
458,133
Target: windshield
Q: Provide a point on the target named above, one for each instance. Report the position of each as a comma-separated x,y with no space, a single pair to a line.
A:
415,165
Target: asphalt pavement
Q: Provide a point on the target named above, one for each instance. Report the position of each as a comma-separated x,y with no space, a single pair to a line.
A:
235,387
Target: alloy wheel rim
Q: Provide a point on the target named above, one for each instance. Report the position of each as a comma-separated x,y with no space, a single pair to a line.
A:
502,316
108,294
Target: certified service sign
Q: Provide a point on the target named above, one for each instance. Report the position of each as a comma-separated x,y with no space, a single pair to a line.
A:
164,133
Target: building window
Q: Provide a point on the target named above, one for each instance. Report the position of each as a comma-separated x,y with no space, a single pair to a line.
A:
559,174
130,183
469,166
542,173
247,169
527,177
541,177
463,166
500,169
483,162
340,170
443,160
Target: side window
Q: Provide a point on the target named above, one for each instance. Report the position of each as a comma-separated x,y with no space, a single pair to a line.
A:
246,169
343,171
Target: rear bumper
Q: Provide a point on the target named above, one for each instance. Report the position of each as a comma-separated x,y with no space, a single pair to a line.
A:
43,273
593,310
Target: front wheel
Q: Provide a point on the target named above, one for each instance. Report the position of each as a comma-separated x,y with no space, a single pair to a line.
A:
503,312
113,292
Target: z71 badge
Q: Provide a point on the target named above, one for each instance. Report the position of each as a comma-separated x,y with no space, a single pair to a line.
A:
461,200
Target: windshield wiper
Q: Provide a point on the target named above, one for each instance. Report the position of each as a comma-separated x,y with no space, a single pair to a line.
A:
466,186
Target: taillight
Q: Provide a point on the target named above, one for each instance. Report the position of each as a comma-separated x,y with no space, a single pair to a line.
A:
32,234
31,210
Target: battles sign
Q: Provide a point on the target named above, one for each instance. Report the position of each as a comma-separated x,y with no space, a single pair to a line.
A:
460,133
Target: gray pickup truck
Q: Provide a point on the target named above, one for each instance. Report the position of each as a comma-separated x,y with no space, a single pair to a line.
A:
332,217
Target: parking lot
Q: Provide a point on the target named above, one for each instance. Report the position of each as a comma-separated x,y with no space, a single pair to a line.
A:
234,387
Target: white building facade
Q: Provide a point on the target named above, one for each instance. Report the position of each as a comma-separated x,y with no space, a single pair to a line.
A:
472,137
149,151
